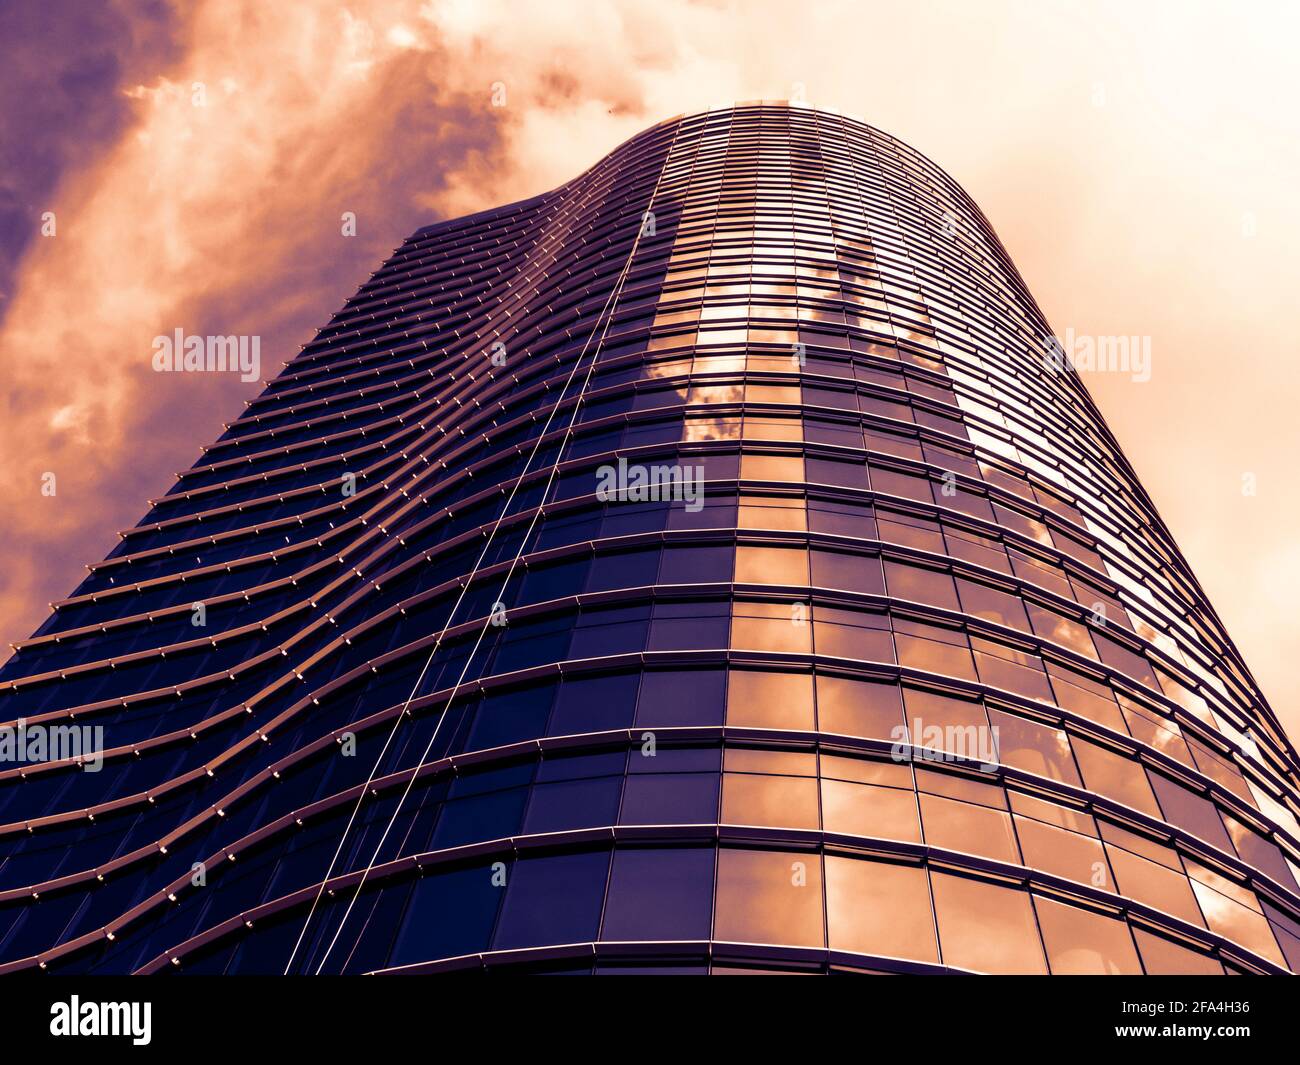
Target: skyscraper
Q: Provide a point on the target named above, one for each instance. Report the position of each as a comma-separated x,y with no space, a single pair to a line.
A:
713,564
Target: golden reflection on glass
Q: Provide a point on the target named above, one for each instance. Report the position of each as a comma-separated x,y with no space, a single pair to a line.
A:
860,799
770,700
1000,607
1154,884
1108,773
772,512
1084,943
757,467
1009,669
1067,854
1085,697
771,627
769,897
702,394
852,634
1232,920
1160,957
1033,747
986,927
944,723
771,565
879,908
703,428
850,707
963,826
896,483
771,801
758,427
930,656
1059,629
920,585
728,363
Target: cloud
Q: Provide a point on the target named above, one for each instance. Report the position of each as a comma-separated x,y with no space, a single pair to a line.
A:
63,111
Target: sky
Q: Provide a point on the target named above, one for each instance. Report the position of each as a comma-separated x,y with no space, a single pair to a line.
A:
190,165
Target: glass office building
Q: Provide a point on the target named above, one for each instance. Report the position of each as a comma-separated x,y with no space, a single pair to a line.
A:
704,566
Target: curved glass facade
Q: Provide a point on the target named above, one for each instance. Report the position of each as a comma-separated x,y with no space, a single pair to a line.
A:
698,567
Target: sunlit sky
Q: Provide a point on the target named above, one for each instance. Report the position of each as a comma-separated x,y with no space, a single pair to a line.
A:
1140,163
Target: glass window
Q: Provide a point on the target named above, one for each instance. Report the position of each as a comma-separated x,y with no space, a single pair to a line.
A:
555,899
841,518
772,512
971,547
910,531
594,704
569,804
769,897
1050,625
1264,855
509,716
1072,855
857,634
685,697
1125,661
1087,698
770,700
1193,813
660,894
933,649
920,585
963,826
1222,771
848,572
896,483
717,513
427,934
865,809
1033,747
1156,731
879,908
1287,930
765,760
624,569
670,799
1160,957
774,801
759,427
850,707
954,726
837,473
601,632
1242,924
771,627
756,467
689,626
986,927
695,565
771,565
1108,773
1083,943
1002,608
1011,670
1154,884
